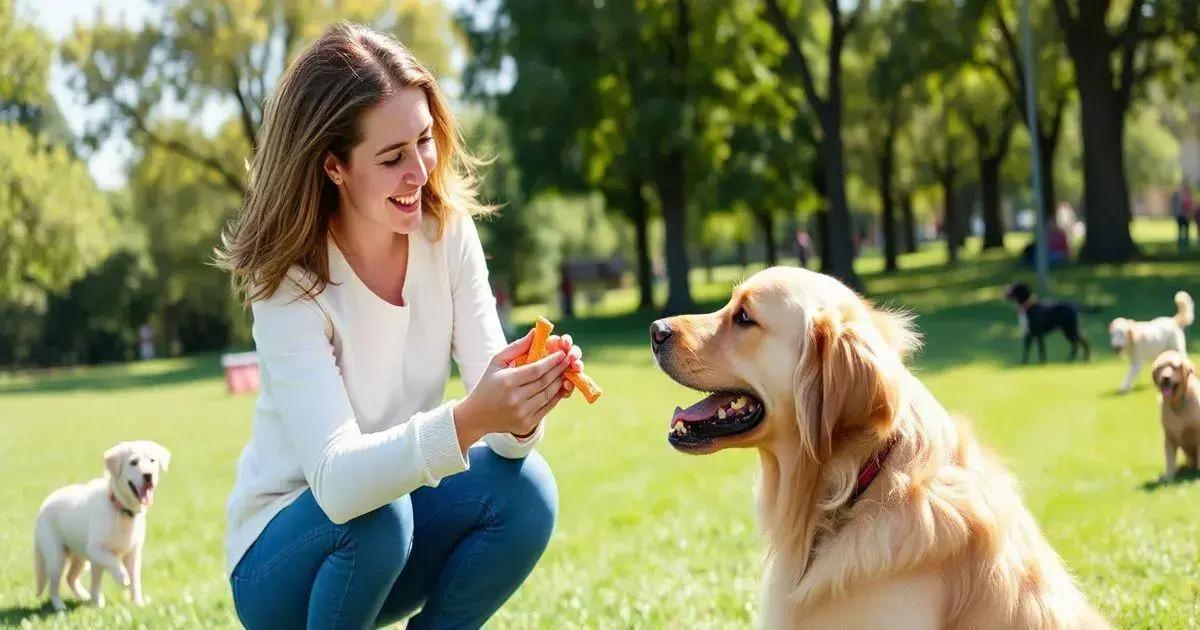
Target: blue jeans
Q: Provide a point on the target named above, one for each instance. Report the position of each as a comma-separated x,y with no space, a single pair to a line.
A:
455,553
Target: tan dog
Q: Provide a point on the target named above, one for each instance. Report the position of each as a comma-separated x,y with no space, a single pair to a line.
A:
1143,341
1179,405
102,522
879,510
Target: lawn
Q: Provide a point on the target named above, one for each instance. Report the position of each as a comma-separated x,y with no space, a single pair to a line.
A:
648,537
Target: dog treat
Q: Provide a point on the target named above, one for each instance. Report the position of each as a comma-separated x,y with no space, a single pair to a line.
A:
589,388
537,351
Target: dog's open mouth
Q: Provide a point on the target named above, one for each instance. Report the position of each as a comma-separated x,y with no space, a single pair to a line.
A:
145,494
715,416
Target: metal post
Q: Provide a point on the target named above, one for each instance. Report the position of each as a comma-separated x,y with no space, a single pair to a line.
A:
1042,258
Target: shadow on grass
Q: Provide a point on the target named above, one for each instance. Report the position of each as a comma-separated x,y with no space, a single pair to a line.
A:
115,377
1187,475
14,616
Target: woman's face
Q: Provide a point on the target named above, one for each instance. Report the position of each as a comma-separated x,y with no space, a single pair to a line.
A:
381,184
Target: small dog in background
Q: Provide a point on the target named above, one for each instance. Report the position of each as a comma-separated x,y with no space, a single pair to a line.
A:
101,522
1143,341
1175,377
1039,318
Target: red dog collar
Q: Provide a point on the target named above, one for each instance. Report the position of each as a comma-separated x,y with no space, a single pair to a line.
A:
112,498
871,468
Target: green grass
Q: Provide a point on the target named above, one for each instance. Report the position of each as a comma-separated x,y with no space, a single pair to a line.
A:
648,537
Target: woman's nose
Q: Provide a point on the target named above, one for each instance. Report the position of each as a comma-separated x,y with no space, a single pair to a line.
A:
418,173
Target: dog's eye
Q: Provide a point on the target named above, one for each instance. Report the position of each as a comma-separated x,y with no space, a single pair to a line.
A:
133,462
741,318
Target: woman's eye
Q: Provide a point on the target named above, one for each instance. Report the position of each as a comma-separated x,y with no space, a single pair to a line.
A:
396,160
426,140
741,318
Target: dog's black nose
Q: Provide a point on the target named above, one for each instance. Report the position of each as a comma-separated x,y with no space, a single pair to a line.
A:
660,332
147,477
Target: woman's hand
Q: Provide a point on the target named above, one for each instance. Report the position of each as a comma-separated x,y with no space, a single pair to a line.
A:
515,399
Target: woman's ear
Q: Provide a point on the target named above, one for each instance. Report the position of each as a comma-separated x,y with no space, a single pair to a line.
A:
333,168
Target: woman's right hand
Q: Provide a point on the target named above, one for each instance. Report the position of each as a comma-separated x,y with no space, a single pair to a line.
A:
511,399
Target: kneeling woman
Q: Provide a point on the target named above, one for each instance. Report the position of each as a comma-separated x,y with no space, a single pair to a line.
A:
360,498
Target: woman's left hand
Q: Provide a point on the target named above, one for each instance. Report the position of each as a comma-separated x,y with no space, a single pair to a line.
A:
564,343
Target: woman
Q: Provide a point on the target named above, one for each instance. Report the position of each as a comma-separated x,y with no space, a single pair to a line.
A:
360,499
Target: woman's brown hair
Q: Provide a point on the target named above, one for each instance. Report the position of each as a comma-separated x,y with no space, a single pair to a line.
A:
316,110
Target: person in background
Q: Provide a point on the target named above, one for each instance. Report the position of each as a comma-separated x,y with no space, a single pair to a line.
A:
146,341
1183,218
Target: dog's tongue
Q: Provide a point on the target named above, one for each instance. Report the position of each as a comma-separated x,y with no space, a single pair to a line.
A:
702,410
1166,391
146,494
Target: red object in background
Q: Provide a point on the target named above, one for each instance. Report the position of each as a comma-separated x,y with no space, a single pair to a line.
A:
241,372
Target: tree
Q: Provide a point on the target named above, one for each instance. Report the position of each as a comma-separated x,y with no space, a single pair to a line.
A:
990,119
838,247
224,53
1113,53
1000,52
944,139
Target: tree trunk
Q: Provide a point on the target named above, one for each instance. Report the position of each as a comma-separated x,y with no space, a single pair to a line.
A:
671,193
989,183
887,207
822,240
1102,106
641,226
910,223
1049,147
766,223
839,250
949,216
1106,194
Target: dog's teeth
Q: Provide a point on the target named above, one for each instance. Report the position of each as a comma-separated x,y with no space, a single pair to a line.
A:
739,403
721,413
679,428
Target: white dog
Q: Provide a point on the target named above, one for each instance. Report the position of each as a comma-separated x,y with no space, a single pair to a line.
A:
1144,341
102,522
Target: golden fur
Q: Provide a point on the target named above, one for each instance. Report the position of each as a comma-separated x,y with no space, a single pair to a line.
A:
940,539
1179,406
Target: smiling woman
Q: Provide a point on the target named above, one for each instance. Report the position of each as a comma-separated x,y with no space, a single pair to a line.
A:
359,499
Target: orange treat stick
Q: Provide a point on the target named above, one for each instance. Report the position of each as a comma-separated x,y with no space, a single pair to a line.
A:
537,351
586,386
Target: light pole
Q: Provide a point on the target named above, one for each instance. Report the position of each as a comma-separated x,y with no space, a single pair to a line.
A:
1039,234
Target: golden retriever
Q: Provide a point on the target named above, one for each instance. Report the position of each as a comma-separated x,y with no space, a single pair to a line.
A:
1179,404
878,509
102,522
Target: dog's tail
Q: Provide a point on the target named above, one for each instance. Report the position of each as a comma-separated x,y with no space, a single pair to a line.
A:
1186,309
39,568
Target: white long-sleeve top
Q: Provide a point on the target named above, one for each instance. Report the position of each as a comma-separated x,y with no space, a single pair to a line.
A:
352,385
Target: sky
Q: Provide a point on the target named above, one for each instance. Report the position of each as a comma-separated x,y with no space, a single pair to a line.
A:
57,18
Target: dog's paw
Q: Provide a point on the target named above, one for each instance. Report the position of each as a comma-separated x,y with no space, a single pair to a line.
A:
58,604
139,601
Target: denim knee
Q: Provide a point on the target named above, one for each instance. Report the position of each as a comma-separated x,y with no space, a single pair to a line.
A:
526,496
386,533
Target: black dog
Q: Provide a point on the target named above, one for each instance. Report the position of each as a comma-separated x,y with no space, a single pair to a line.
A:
1041,317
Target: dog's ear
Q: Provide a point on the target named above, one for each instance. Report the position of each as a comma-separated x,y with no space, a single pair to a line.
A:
897,329
845,376
114,457
162,454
